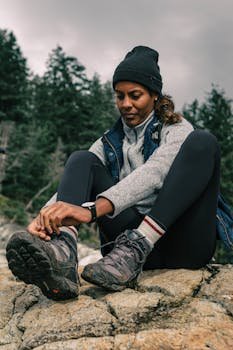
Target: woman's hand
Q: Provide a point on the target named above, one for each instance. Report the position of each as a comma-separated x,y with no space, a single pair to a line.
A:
35,230
61,214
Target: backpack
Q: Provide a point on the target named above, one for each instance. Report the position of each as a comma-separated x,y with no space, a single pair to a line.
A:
224,222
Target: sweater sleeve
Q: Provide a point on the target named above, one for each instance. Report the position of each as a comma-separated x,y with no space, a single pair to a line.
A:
147,178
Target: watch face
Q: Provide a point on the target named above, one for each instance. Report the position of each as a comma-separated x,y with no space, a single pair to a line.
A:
88,204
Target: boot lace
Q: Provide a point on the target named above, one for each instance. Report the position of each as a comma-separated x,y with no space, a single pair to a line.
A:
116,256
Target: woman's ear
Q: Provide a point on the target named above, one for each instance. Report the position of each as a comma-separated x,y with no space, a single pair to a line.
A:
156,97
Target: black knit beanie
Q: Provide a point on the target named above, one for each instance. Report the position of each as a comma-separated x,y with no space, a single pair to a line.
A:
140,66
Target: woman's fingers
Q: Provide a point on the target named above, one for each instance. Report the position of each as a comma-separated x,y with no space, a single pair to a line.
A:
61,214
55,223
45,236
34,229
49,220
45,219
51,217
47,223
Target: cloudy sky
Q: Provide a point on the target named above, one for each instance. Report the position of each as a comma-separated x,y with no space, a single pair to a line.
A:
194,38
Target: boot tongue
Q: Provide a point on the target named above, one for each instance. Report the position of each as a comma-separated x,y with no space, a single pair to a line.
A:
131,234
142,240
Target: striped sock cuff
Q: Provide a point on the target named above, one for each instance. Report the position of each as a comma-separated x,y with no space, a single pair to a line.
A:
150,229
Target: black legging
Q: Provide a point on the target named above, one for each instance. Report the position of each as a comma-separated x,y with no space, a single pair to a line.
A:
186,204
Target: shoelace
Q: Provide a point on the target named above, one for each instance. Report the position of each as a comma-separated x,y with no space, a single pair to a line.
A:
131,243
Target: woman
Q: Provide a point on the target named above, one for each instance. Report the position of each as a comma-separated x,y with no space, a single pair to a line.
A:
150,183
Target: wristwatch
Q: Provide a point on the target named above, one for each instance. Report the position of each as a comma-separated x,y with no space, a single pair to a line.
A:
91,206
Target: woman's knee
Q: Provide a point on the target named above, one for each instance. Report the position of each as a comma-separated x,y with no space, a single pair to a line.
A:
202,141
78,157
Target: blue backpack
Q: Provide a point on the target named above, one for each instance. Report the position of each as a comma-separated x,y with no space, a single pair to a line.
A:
224,222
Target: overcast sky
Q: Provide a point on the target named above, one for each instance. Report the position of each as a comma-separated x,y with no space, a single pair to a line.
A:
194,38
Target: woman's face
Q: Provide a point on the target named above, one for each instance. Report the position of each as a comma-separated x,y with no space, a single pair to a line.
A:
134,102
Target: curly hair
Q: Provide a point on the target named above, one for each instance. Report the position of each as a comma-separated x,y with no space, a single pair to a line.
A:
164,107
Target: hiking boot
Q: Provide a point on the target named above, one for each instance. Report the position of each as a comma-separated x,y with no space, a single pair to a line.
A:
50,265
120,268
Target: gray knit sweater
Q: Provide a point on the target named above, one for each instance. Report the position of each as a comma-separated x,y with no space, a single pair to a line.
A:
141,181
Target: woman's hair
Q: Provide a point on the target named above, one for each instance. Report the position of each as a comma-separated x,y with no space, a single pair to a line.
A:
164,108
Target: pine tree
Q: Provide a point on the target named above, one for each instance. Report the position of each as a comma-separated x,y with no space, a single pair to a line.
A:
60,112
13,78
13,96
59,98
99,112
27,162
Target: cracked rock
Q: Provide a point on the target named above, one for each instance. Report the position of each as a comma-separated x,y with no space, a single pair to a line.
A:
220,288
170,310
132,308
52,321
178,284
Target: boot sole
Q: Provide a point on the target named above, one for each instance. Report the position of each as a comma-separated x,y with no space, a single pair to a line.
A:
31,264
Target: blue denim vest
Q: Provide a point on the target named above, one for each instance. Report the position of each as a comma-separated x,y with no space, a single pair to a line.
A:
113,142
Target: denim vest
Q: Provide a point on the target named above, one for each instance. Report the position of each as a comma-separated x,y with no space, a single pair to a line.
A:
113,143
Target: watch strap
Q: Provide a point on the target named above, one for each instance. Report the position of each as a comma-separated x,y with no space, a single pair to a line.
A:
91,206
92,209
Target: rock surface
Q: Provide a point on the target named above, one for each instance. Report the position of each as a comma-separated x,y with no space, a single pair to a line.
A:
169,310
